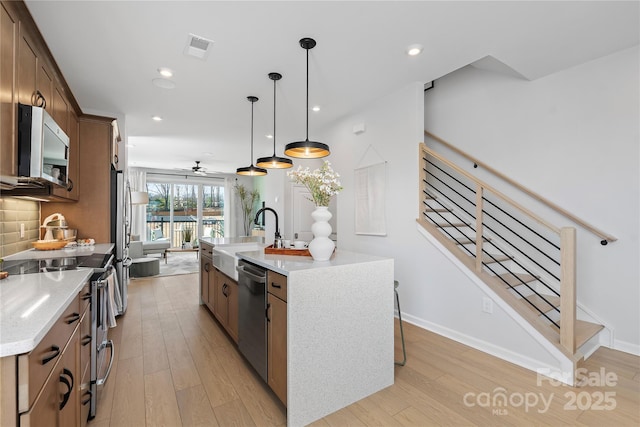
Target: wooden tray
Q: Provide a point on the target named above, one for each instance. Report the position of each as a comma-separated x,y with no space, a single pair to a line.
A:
286,251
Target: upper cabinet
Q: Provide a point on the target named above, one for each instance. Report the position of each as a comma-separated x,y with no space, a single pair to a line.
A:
29,75
8,43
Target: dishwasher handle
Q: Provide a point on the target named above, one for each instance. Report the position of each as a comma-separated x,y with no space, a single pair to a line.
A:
256,278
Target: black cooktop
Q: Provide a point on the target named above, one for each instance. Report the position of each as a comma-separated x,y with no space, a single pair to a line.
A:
28,266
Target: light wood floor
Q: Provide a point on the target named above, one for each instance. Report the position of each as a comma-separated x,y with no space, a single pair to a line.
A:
174,366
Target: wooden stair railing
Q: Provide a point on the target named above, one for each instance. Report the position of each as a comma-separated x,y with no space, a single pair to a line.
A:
566,332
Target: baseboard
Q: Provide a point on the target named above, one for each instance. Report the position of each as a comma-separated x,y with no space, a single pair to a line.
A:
626,347
489,348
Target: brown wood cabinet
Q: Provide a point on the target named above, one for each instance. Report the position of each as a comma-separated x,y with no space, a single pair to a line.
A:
8,48
84,370
207,274
28,70
226,303
42,388
90,215
277,334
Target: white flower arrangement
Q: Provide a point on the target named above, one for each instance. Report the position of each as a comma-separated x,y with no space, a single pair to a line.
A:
322,183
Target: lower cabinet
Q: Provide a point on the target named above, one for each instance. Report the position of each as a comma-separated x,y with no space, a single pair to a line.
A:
43,387
226,303
277,334
277,346
58,404
206,277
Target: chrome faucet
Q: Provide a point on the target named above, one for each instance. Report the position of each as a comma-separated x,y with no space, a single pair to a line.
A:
277,242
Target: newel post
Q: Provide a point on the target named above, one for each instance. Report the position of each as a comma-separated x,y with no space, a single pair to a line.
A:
568,288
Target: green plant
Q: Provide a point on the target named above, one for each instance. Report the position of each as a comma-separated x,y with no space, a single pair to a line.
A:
248,200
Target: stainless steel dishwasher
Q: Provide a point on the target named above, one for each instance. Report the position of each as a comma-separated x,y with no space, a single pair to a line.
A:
252,319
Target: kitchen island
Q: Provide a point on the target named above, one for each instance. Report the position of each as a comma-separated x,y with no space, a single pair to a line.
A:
339,329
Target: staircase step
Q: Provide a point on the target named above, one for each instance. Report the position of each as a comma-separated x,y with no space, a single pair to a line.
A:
428,210
516,279
537,301
455,224
486,259
584,331
463,240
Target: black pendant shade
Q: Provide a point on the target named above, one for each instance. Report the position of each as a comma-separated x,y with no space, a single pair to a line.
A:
274,162
307,149
251,170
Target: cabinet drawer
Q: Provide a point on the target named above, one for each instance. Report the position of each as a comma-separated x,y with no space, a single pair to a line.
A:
85,340
277,285
34,367
206,250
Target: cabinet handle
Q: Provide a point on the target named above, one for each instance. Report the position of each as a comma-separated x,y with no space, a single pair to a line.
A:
273,284
206,267
85,340
115,157
266,312
56,351
63,379
38,99
74,318
70,184
85,402
224,290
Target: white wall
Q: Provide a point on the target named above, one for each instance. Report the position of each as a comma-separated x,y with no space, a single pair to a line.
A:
571,137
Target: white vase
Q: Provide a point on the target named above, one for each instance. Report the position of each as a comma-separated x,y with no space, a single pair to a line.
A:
321,247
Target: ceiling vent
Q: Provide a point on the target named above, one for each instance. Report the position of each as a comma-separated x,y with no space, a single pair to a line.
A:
198,46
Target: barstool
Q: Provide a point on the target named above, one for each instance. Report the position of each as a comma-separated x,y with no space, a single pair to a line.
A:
404,352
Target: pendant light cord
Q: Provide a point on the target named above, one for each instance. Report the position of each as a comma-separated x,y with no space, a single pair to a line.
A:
274,117
307,93
252,102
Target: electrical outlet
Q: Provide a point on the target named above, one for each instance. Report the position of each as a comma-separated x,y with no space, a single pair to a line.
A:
487,305
22,231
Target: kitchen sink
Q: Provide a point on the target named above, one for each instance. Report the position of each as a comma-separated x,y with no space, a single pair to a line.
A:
225,259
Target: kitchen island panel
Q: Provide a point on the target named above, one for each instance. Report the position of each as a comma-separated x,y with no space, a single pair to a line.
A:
340,337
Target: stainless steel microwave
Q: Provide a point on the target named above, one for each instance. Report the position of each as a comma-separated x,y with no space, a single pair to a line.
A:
43,147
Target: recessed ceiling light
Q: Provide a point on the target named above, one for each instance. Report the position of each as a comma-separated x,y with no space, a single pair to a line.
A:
315,108
414,49
156,118
130,145
165,72
269,136
164,83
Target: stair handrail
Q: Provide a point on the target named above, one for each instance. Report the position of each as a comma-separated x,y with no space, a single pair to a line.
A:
601,234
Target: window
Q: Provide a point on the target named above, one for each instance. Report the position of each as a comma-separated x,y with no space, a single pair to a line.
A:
179,209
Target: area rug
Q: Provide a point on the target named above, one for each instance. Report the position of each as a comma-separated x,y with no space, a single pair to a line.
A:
180,263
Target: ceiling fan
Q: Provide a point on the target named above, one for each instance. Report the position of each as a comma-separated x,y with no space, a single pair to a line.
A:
198,170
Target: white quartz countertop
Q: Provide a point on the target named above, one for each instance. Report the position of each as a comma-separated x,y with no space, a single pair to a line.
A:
31,303
98,248
217,241
284,264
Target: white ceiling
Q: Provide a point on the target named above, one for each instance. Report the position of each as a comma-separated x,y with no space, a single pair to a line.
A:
109,52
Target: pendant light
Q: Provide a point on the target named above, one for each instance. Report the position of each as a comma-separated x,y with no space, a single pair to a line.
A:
307,149
274,162
251,170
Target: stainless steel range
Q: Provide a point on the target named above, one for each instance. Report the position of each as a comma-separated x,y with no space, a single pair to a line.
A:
102,277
